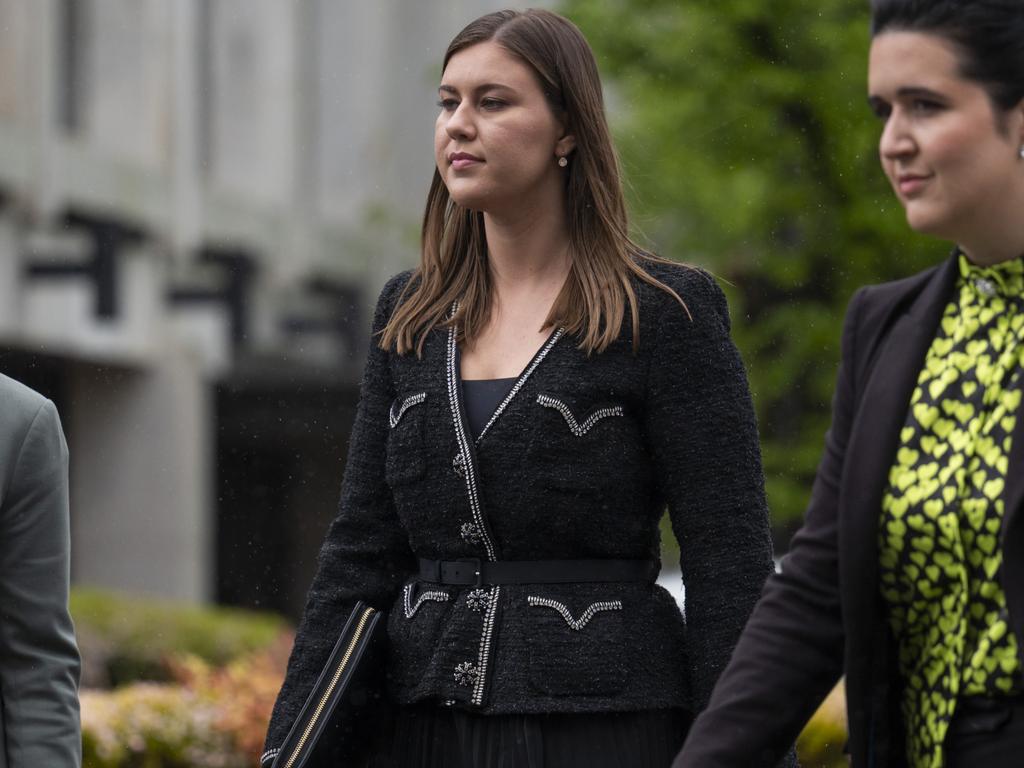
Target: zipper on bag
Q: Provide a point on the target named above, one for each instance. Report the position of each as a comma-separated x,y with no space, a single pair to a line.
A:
356,635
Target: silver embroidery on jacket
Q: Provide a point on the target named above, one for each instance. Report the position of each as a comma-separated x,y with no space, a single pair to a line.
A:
469,474
461,435
485,645
467,674
477,599
463,440
471,533
459,464
574,426
585,617
434,595
409,402
522,380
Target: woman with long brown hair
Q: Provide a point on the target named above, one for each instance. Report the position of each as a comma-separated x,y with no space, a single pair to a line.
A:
541,390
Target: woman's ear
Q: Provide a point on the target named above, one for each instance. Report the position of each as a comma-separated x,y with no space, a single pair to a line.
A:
565,145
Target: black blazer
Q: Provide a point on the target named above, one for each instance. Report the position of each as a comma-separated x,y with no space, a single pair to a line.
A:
823,614
578,463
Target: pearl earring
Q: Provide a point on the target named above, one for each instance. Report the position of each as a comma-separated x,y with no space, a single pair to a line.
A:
564,161
1022,153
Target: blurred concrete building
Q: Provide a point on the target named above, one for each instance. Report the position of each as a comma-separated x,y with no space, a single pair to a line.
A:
199,200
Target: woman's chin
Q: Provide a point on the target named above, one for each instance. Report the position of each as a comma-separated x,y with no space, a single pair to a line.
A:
473,202
469,193
925,222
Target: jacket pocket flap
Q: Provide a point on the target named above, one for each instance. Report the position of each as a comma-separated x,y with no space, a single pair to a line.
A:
577,427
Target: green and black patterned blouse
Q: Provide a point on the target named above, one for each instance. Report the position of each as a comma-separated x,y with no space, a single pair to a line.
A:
942,512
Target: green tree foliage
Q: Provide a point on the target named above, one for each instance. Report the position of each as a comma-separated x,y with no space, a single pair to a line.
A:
749,149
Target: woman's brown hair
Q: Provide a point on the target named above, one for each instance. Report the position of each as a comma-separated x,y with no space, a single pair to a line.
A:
454,264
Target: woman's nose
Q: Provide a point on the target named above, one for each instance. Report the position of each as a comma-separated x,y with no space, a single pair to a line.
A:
897,139
460,124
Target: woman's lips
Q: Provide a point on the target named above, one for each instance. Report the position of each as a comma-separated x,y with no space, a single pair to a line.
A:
461,160
911,184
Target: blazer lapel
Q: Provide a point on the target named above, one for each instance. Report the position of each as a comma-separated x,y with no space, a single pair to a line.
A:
874,439
1014,493
1012,576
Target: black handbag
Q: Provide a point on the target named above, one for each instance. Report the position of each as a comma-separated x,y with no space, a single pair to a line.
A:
336,725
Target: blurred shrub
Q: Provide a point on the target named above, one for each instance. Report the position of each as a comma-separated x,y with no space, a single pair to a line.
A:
243,693
822,741
125,638
209,717
153,725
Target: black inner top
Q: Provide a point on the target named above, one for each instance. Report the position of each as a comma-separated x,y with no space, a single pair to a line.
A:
482,398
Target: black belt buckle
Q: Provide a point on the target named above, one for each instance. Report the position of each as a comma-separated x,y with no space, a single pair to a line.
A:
976,716
467,570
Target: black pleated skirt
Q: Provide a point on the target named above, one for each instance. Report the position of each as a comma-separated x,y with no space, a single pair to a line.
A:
440,737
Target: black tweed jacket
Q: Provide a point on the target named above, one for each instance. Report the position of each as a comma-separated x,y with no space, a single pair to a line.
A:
578,462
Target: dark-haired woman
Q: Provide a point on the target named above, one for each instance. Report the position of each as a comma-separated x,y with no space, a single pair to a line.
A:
542,389
908,574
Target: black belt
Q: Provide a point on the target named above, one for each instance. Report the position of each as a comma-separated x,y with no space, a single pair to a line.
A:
479,572
977,715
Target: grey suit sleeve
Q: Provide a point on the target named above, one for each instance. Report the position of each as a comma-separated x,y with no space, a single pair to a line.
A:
39,662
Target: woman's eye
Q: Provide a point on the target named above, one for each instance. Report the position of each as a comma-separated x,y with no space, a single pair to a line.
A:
925,106
448,105
879,108
491,104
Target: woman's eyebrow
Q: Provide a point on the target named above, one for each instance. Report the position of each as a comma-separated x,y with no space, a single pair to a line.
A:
907,92
918,91
444,88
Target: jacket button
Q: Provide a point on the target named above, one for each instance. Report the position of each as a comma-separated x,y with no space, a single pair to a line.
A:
466,673
986,287
459,464
477,600
471,532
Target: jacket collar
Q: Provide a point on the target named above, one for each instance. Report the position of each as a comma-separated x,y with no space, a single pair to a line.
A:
880,416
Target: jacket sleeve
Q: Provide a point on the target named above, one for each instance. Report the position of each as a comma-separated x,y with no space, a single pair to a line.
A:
39,662
365,555
791,652
703,439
